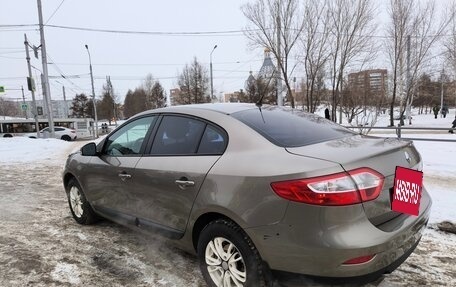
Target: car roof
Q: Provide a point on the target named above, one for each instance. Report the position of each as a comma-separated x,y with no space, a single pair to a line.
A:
225,108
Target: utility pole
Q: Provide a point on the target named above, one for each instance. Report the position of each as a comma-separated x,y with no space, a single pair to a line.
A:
46,88
212,80
408,110
64,100
31,87
279,81
23,102
93,93
441,92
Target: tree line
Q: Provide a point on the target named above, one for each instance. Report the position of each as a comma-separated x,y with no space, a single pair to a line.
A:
328,38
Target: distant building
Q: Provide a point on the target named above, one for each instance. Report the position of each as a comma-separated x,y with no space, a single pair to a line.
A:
231,97
173,95
268,69
60,108
369,83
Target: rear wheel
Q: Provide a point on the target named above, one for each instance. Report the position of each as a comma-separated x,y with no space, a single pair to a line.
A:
66,138
80,208
227,256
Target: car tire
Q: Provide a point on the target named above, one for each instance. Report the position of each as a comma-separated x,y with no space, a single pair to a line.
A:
66,138
227,256
80,208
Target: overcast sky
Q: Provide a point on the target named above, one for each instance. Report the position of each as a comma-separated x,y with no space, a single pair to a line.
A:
127,58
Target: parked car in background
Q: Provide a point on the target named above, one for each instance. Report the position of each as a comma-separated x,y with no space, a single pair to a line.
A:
62,133
255,191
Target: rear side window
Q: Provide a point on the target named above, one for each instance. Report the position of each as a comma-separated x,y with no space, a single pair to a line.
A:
213,141
177,136
291,128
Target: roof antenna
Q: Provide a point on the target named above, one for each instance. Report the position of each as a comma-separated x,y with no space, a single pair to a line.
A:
260,101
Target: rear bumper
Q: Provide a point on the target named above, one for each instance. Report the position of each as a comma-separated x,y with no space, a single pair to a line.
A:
316,241
293,278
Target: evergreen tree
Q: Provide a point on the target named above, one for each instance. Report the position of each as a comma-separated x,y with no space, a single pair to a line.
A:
81,107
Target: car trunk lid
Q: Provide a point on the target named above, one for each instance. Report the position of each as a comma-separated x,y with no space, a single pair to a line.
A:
380,154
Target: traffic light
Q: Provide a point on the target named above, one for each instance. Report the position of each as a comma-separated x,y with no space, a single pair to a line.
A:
30,84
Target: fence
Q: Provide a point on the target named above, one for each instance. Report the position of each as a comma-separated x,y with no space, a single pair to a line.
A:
398,131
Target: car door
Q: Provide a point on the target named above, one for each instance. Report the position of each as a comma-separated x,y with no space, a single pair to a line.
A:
110,178
170,176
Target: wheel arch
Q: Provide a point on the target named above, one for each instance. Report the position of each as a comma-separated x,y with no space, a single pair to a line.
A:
66,179
202,221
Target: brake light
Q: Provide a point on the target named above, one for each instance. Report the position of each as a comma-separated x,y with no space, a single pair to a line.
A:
344,188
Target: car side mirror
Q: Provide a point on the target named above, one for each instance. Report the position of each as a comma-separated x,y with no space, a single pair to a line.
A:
89,149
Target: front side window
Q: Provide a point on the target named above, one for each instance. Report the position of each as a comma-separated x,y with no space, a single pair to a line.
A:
129,139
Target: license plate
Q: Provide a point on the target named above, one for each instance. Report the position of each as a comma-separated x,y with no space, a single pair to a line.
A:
408,185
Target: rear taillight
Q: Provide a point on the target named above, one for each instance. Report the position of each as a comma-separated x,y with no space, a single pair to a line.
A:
359,260
345,188
73,131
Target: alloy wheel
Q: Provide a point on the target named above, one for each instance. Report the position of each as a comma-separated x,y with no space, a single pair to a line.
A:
76,201
225,264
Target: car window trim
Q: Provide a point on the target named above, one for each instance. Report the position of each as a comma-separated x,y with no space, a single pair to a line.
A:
147,151
146,136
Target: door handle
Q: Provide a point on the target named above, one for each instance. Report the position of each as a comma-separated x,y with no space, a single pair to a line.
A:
183,183
124,176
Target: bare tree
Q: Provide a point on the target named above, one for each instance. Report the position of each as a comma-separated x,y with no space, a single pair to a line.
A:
414,28
193,84
155,94
400,14
314,42
351,29
8,108
276,25
450,47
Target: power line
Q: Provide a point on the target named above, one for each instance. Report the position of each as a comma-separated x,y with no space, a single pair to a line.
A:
152,64
156,33
55,11
18,25
62,74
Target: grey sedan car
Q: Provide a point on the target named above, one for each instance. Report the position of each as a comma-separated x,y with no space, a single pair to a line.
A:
257,192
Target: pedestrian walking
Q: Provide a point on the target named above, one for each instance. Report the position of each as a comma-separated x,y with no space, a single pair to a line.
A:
327,114
453,126
436,110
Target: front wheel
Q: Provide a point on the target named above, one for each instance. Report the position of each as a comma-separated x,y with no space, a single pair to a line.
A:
227,256
80,208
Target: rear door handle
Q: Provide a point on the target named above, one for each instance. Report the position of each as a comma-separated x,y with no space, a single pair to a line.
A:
183,183
124,176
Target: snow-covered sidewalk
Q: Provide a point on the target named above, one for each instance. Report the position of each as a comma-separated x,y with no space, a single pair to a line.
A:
41,245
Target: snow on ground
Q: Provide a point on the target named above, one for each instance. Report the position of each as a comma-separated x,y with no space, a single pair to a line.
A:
41,245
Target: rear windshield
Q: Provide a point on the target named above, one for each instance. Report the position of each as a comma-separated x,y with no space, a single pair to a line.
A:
291,128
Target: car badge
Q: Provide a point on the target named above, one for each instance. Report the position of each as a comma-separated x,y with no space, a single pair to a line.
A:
407,157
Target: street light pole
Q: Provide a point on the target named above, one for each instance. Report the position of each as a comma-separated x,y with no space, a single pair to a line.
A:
93,94
212,80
